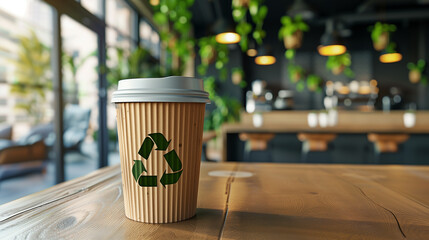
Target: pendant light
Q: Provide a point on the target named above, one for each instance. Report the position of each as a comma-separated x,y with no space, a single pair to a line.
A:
225,33
251,51
265,57
390,55
331,44
224,29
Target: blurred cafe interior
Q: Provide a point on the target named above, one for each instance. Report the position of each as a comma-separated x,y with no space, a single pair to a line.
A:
327,82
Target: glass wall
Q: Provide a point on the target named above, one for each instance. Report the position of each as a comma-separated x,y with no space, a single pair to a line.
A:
27,77
80,96
26,97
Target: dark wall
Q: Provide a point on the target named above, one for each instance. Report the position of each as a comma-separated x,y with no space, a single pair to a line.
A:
411,38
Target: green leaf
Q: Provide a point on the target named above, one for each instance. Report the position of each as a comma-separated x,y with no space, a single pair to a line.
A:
263,10
160,18
290,54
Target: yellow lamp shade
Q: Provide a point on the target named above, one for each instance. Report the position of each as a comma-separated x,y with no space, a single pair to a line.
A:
390,57
252,52
331,50
228,38
265,60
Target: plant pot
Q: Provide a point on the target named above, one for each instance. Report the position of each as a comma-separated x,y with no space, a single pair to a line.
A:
295,77
242,3
312,87
294,41
414,76
382,42
236,78
338,70
211,59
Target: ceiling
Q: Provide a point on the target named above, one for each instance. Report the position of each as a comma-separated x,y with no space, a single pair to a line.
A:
206,12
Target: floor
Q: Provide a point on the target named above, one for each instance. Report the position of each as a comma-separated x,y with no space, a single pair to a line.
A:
77,165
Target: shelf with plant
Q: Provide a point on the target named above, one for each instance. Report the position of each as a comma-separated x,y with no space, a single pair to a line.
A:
340,64
416,70
174,20
380,34
292,30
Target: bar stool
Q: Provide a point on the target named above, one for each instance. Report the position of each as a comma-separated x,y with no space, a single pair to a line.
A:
386,148
256,146
315,146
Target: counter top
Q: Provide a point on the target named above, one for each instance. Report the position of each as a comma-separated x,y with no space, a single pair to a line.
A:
348,122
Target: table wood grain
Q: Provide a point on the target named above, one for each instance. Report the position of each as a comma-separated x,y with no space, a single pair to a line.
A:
249,201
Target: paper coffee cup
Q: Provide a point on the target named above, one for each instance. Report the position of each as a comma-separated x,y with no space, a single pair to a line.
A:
160,127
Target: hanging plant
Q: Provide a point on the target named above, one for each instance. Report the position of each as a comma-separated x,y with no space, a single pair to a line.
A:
239,12
212,52
174,20
257,12
313,82
292,30
339,64
416,70
380,34
296,72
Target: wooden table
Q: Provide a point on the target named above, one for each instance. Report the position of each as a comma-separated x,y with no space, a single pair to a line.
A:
279,201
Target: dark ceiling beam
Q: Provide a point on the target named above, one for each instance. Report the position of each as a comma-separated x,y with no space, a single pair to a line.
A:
412,14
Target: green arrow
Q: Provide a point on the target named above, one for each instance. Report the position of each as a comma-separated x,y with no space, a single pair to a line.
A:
160,141
138,168
170,178
173,160
148,181
146,148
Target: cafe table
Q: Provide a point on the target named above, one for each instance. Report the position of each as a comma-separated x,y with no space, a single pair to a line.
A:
240,201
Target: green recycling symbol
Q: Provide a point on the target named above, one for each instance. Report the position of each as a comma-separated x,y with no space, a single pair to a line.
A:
171,157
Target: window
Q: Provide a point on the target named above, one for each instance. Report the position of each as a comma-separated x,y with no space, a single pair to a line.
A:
149,38
80,95
94,6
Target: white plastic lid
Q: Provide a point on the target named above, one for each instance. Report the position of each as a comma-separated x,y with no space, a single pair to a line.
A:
168,89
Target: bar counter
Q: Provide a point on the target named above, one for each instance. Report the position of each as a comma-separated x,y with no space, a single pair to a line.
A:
349,122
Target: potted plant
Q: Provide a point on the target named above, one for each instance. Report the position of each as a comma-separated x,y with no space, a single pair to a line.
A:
292,30
313,82
32,78
380,34
296,72
237,76
339,64
416,70
240,3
